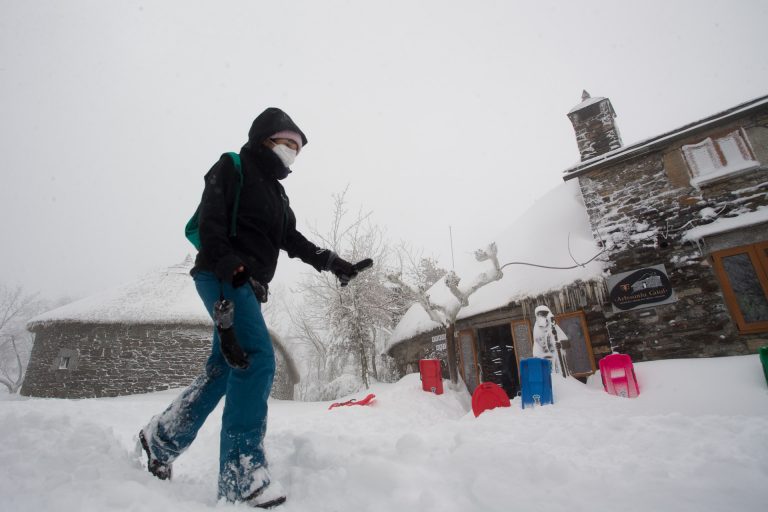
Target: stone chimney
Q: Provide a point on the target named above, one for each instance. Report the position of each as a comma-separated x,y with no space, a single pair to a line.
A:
593,122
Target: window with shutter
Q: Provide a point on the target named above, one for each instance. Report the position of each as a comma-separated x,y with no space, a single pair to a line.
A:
717,158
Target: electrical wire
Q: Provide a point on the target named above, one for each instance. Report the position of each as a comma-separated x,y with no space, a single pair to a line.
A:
551,267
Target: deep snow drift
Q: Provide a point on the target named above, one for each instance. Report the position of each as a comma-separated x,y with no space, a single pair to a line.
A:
696,439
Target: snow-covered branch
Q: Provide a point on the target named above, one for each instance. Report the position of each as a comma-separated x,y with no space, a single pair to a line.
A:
445,315
436,312
452,280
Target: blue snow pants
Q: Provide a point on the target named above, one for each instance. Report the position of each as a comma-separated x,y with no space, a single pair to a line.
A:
242,464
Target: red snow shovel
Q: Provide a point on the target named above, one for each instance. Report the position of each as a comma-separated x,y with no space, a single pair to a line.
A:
365,401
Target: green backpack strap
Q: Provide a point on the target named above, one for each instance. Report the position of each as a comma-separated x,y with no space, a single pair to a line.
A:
239,168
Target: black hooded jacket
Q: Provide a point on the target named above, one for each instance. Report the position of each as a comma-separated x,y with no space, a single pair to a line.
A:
265,221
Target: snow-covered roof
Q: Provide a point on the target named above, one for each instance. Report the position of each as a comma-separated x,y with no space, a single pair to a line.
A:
648,145
166,296
542,236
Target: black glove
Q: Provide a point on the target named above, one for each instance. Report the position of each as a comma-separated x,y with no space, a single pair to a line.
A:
223,317
344,270
260,290
240,277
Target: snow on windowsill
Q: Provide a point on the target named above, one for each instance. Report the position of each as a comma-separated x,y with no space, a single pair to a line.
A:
725,172
726,224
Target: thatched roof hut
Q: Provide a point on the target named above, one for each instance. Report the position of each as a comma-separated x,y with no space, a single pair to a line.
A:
148,335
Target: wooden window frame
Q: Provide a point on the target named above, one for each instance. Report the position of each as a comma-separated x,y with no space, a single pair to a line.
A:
756,253
587,340
66,360
515,341
476,366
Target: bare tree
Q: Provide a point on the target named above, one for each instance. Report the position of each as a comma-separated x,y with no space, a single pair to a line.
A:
13,383
354,315
446,314
15,307
416,269
307,328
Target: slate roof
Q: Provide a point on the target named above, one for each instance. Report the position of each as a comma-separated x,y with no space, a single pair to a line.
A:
653,143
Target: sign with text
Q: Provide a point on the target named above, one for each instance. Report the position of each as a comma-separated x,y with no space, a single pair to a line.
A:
643,288
439,344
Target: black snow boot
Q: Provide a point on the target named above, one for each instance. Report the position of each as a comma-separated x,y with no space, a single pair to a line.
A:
268,496
160,469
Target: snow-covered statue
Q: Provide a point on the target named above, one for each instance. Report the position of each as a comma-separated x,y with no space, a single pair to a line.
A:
549,340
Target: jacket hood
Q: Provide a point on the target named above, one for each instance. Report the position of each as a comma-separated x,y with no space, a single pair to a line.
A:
268,123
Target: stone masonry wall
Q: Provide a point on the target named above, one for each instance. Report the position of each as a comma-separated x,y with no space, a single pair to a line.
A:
114,360
640,209
407,355
595,129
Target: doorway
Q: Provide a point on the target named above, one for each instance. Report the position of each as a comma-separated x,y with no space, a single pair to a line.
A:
496,355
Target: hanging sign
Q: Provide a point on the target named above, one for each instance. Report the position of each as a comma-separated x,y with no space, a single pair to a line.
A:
440,343
643,288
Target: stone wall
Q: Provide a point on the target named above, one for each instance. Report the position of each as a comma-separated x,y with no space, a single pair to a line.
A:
595,129
282,387
640,210
114,360
407,354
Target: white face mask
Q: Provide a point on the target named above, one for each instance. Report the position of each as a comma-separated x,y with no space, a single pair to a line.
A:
286,154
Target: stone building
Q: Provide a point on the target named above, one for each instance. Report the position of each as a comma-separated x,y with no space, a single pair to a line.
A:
690,203
682,224
150,335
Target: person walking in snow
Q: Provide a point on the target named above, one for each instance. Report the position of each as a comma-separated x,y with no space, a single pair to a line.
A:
235,269
550,341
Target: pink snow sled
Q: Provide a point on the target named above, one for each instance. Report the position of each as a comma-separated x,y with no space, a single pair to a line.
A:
365,401
618,375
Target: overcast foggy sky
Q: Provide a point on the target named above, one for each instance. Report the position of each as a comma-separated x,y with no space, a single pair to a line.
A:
436,113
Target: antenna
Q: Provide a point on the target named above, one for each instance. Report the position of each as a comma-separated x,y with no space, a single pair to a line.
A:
450,235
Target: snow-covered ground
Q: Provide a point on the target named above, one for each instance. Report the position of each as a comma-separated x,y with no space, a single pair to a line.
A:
696,439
